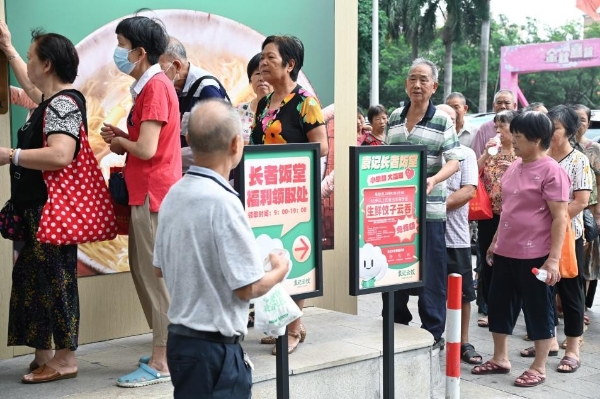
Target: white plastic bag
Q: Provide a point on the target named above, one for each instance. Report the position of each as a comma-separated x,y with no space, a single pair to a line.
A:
274,311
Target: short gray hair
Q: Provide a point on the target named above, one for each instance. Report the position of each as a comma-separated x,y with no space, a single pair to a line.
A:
175,49
456,94
213,125
505,91
425,61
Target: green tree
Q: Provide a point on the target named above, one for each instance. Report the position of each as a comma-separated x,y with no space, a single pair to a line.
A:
414,20
461,16
364,48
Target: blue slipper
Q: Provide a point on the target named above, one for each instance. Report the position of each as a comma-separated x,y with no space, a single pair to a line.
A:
144,359
143,376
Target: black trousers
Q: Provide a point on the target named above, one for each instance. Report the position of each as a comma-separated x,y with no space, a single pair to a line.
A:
207,370
572,296
486,230
432,297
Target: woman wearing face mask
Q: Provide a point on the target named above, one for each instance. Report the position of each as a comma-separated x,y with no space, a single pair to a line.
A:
153,164
261,88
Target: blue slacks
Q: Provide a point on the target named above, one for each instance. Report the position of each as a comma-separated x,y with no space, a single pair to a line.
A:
207,370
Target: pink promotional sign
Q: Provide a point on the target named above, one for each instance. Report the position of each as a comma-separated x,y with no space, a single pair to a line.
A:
553,56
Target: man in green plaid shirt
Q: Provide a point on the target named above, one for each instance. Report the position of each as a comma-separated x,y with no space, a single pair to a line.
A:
419,122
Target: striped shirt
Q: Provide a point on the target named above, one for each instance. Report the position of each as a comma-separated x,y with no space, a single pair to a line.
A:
435,131
457,224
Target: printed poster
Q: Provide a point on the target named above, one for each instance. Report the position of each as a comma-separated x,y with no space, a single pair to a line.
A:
388,188
283,205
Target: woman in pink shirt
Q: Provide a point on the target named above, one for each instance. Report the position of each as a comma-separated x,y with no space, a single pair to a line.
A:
535,194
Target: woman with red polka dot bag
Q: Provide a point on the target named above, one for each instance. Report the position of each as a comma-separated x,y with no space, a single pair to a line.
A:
79,208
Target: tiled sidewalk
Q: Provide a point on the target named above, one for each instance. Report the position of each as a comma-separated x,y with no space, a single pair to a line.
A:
101,363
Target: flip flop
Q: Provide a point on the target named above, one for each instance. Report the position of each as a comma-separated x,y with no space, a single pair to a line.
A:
530,379
573,363
467,354
489,367
530,352
483,322
586,319
143,376
46,373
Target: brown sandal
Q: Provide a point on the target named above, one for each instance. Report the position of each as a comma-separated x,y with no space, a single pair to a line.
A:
302,333
46,373
530,379
272,340
489,367
291,348
268,340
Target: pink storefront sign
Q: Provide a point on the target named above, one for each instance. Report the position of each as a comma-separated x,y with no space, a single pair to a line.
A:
553,56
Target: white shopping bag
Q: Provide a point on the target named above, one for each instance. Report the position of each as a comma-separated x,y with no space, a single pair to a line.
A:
274,311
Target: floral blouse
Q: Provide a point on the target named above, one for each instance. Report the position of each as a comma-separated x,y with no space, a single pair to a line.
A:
247,118
592,151
298,113
492,179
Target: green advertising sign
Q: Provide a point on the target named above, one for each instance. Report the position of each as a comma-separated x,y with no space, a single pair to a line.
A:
387,217
280,188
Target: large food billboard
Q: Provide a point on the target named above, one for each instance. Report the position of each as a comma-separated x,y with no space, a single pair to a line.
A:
219,37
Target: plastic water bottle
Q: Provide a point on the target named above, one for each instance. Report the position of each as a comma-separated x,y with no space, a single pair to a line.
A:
540,274
494,150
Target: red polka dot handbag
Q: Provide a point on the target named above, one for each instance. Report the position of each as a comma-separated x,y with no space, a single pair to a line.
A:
79,207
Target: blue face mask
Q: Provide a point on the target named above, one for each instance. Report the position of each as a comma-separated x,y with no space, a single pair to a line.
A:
121,60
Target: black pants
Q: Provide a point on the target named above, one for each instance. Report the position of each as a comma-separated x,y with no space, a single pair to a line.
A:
572,296
432,297
207,370
486,230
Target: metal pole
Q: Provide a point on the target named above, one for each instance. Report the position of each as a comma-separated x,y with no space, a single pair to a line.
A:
388,345
453,336
282,375
375,54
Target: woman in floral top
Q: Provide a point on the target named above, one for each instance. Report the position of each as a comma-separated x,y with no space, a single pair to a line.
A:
261,88
289,114
492,168
591,263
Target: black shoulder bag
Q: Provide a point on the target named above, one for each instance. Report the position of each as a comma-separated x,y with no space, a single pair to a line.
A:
590,228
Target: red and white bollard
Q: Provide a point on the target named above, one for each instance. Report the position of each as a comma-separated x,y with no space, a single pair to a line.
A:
453,336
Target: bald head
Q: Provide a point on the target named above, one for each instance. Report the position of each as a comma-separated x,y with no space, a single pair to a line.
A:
213,126
448,110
